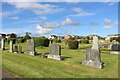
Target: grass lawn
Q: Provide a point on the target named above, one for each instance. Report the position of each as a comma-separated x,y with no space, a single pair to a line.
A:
28,66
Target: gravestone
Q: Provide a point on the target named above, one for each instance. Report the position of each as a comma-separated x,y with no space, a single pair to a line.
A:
115,49
15,49
95,43
106,45
2,44
55,52
110,46
19,49
11,46
101,46
92,57
30,48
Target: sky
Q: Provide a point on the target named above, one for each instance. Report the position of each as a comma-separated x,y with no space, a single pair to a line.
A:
60,18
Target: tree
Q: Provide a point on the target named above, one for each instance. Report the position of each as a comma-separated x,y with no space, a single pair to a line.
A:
118,39
88,37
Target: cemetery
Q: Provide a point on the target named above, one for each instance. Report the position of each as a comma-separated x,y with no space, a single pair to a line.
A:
59,40
59,60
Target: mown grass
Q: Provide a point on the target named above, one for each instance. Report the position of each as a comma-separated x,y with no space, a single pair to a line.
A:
28,66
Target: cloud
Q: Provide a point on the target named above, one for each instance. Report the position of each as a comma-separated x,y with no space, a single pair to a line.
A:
81,12
43,17
43,31
111,3
35,7
107,27
61,0
94,23
66,22
15,18
69,22
107,21
8,13
49,24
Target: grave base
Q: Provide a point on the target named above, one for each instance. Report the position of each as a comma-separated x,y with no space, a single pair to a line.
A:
114,52
93,64
57,57
30,53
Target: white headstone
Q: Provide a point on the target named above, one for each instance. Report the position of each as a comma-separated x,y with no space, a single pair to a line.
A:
2,44
11,46
95,43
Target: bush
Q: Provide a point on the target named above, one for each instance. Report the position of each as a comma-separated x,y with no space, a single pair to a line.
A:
57,40
84,41
41,42
73,44
11,39
21,40
71,38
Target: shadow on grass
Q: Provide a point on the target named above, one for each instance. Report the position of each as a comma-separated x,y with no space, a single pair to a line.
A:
64,57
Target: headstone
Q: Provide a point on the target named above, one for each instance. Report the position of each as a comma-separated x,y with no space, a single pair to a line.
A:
30,48
101,46
55,52
110,46
95,43
11,46
115,49
15,49
2,44
92,57
19,49
106,45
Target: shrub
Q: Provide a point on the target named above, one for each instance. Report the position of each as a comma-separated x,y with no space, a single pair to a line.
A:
11,39
41,42
84,41
71,38
73,44
21,40
57,40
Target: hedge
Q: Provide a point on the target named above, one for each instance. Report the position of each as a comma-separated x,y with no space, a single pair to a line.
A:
21,40
73,44
11,39
41,42
84,41
57,40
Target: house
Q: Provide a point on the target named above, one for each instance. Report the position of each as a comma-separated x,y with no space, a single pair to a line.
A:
67,37
52,37
12,35
2,35
92,35
111,36
60,37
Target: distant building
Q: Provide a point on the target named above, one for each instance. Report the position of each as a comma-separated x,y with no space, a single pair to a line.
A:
114,35
75,36
92,35
82,37
12,35
111,36
52,37
67,37
60,37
